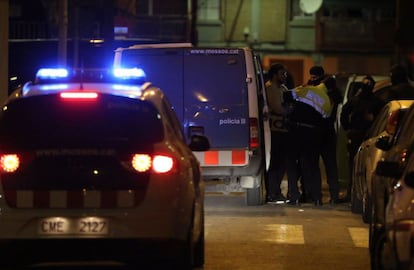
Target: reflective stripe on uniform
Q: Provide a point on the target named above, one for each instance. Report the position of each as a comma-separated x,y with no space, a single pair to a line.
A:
73,198
316,97
223,158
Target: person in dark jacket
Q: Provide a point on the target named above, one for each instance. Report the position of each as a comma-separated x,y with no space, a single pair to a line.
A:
329,137
311,106
356,118
401,88
316,75
328,147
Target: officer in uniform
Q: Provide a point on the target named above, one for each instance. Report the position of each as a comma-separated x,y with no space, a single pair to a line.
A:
278,110
311,106
328,148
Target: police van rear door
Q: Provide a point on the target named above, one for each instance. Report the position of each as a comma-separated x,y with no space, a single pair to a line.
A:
163,67
207,88
215,96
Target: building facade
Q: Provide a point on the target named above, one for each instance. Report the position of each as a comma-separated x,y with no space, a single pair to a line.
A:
353,36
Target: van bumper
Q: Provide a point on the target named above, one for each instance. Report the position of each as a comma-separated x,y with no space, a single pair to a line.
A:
224,172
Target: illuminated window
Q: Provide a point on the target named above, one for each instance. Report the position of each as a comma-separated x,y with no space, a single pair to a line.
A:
209,10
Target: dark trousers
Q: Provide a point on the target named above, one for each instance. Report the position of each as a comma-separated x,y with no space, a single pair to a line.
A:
305,152
328,155
355,138
278,163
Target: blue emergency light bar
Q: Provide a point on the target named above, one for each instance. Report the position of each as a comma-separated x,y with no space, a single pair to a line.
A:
129,73
116,75
52,73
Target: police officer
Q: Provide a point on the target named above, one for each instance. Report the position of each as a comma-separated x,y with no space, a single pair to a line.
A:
328,148
276,89
311,105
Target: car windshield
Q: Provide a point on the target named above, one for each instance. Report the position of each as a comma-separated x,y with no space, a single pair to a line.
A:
49,121
407,129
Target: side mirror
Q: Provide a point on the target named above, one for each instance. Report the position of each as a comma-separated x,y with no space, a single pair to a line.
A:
383,143
388,169
409,179
199,143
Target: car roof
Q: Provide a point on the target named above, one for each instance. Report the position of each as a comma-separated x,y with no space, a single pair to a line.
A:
399,104
382,84
376,77
132,91
106,81
157,45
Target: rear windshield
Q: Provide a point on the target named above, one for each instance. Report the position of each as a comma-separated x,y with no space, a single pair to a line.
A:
108,121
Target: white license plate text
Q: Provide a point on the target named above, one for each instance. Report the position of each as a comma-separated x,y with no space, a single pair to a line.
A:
84,225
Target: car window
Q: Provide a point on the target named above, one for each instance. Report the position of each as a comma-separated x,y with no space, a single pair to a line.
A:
353,89
341,82
379,123
218,78
49,121
407,128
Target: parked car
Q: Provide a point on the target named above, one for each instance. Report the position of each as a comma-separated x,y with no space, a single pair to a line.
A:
94,165
368,155
394,247
389,170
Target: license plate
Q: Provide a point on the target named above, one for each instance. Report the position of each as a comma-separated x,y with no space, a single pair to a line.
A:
83,226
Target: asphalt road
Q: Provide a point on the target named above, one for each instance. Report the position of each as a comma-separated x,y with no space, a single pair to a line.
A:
282,237
271,237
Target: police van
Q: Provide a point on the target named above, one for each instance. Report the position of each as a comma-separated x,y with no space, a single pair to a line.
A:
217,92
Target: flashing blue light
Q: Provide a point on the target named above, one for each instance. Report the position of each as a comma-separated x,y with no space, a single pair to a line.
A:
52,73
129,73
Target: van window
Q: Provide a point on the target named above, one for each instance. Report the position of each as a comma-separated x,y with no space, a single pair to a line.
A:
216,78
164,68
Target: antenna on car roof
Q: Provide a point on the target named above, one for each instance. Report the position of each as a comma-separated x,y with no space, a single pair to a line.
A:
82,70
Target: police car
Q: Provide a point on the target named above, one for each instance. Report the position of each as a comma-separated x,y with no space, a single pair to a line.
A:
94,165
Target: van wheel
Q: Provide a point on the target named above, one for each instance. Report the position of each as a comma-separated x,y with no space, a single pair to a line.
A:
255,196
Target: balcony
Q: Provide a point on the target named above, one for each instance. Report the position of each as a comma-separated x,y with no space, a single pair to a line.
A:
355,35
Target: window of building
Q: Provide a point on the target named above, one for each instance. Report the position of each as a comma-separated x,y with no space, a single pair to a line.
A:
208,10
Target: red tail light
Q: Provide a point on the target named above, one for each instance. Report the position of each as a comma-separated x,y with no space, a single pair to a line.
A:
79,95
392,122
9,163
162,164
157,163
254,133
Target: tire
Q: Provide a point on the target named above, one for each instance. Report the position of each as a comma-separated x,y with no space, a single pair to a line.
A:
185,260
375,227
356,204
366,209
198,253
378,252
375,232
255,196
